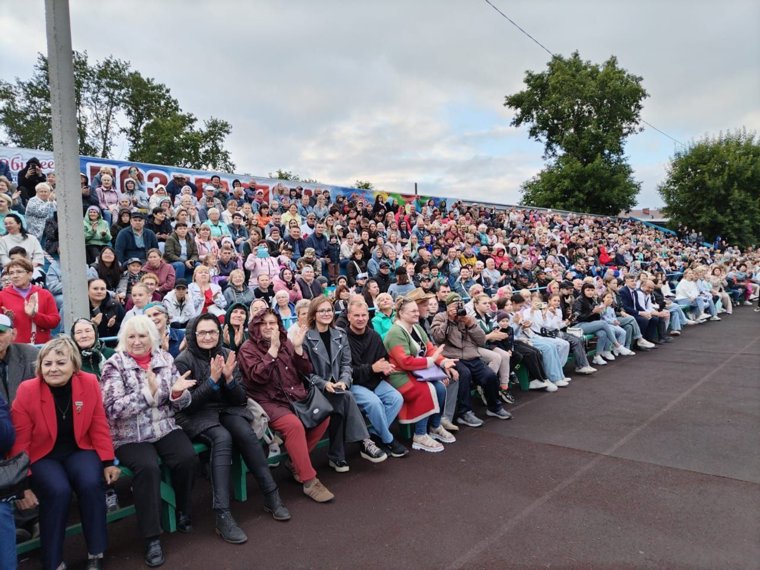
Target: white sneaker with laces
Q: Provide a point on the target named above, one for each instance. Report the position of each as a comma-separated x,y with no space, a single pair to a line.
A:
426,443
551,387
716,318
598,360
561,383
536,385
691,322
623,351
608,355
442,435
644,343
585,370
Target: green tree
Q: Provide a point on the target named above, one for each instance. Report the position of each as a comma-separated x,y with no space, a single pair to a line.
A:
713,186
582,112
364,185
282,174
112,100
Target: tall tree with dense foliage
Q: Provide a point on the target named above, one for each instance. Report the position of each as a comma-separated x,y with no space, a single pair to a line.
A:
114,100
582,113
713,186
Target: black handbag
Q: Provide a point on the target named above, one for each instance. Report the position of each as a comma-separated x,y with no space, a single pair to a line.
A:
13,477
314,409
548,333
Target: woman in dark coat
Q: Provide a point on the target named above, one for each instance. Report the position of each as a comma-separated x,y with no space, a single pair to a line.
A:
217,416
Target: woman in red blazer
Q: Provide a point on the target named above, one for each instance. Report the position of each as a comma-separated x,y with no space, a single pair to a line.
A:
61,424
32,308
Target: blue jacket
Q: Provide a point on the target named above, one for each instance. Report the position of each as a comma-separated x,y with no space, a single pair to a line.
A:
126,247
320,244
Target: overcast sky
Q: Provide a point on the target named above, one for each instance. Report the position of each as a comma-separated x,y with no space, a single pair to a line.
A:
404,91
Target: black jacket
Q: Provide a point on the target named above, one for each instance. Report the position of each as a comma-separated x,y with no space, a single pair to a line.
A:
366,349
210,399
582,310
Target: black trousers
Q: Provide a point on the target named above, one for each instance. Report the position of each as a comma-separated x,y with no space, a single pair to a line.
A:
475,371
531,359
176,452
237,431
346,424
649,327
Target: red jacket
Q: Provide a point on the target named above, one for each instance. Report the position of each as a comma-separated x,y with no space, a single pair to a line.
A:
34,417
46,319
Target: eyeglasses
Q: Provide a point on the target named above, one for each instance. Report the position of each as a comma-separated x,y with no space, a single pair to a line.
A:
209,334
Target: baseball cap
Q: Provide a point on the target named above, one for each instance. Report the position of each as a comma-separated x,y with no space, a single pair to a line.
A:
453,298
6,323
180,284
361,276
132,260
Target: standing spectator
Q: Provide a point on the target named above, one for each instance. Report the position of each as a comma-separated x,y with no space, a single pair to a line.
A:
33,308
29,177
141,392
39,209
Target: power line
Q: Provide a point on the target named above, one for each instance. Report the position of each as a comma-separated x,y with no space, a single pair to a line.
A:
547,50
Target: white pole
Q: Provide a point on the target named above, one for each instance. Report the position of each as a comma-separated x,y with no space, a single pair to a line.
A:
66,151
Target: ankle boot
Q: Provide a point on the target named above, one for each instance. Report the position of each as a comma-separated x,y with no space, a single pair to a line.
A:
227,528
273,504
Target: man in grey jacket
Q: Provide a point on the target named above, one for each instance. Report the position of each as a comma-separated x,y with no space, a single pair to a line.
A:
461,337
17,361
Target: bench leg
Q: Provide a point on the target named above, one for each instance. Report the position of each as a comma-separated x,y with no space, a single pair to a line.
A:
168,502
239,481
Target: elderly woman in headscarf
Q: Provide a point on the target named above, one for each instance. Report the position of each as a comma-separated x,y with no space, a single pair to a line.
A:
93,352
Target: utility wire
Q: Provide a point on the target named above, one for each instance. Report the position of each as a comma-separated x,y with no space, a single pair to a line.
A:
547,50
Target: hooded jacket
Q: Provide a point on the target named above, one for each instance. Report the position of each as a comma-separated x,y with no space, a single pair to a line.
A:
228,333
100,232
209,399
272,382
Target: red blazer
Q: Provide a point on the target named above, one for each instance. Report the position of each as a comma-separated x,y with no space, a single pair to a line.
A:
46,319
34,417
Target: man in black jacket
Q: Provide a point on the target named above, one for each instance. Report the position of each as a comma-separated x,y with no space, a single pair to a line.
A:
29,177
377,399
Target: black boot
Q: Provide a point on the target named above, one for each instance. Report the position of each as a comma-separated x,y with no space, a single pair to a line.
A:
154,554
184,523
273,504
227,528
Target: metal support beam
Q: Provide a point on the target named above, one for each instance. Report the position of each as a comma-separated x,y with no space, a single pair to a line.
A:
66,151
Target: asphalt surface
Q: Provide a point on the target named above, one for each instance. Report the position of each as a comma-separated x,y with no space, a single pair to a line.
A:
653,462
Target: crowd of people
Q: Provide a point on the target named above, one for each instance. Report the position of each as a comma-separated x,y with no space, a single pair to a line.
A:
234,311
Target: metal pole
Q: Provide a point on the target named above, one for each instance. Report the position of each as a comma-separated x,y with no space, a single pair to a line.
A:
415,188
66,151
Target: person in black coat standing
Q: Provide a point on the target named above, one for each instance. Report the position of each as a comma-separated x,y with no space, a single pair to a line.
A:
218,416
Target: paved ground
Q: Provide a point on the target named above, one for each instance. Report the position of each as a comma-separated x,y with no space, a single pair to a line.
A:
652,462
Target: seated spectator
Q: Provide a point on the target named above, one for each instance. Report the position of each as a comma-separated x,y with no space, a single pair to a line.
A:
342,296
122,221
588,316
283,307
550,321
7,530
206,297
150,280
648,324
551,366
330,357
266,355
140,297
92,351
181,251
370,368
64,458
261,263
402,285
689,297
205,243
159,224
97,234
17,236
133,273
287,281
409,349
235,329
162,270
384,315
179,305
32,308
218,416
108,268
308,284
39,209
142,390
497,359
6,205
19,360
264,289
629,324
237,290
136,240
106,313
171,338
460,336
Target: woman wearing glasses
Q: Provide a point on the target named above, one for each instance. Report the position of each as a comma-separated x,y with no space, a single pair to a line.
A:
330,355
217,416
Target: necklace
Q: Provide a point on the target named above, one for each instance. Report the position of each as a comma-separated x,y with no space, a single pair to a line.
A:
65,412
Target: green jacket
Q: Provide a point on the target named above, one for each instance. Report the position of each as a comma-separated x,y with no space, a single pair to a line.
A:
98,235
383,323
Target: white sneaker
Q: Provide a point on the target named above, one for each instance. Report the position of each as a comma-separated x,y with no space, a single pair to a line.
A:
691,322
551,387
623,351
426,443
561,383
567,379
722,310
599,361
608,356
536,385
716,318
585,370
644,343
675,333
703,317
442,435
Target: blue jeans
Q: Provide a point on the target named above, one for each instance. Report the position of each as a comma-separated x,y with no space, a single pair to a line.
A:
179,269
7,537
53,480
381,407
550,357
421,427
604,341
